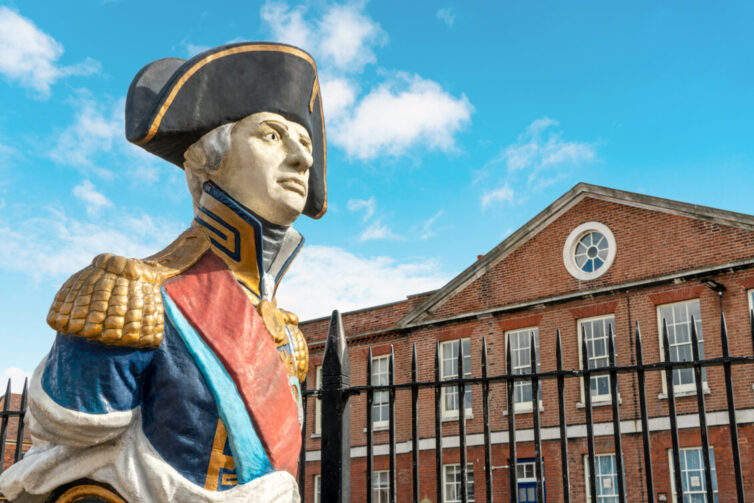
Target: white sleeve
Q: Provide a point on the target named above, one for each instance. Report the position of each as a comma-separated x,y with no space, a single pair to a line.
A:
51,422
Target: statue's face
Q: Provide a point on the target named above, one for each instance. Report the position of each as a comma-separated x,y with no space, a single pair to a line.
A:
267,166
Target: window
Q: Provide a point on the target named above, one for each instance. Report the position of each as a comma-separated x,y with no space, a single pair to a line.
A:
318,402
692,475
751,301
606,478
449,370
678,318
520,344
526,478
380,399
452,483
317,489
595,331
381,487
589,251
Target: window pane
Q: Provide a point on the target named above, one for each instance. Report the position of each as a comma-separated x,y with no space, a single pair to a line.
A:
677,318
520,347
452,483
449,370
692,474
595,332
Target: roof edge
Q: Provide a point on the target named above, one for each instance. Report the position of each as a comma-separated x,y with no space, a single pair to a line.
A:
555,210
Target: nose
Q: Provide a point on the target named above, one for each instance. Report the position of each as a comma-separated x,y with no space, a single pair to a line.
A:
298,157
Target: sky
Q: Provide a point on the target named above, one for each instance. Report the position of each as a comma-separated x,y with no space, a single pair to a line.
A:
449,125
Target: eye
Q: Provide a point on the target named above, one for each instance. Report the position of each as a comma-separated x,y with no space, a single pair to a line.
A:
272,136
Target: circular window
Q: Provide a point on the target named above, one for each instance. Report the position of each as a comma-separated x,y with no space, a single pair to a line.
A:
589,251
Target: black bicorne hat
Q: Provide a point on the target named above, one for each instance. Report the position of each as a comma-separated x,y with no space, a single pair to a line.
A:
173,102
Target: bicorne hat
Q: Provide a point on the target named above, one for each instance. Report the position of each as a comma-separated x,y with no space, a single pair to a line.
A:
172,102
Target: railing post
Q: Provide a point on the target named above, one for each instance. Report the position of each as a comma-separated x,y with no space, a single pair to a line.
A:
336,416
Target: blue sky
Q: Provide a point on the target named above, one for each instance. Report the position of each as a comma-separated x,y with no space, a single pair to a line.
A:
449,125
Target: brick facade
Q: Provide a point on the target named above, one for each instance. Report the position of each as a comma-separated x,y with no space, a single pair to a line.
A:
664,249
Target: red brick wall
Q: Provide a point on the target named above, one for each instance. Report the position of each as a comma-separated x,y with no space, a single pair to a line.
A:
628,308
649,244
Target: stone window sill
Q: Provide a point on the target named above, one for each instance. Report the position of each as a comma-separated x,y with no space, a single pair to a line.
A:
599,403
681,394
523,410
454,417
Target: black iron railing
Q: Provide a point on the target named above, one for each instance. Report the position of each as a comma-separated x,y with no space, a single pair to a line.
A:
336,392
5,415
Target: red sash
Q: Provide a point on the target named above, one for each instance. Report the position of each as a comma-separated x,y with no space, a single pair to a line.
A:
215,304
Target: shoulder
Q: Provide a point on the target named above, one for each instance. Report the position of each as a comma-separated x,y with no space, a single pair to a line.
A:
117,300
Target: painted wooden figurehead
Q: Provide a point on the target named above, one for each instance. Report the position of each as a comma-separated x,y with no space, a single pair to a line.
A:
176,377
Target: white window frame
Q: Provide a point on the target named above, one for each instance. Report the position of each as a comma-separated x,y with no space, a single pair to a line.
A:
523,465
610,498
523,406
456,468
750,296
380,398
689,388
570,247
318,401
688,492
451,414
523,479
604,398
317,488
380,480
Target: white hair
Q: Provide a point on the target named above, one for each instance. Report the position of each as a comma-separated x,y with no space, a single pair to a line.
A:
205,157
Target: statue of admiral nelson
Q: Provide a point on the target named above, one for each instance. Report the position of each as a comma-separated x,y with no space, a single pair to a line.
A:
176,378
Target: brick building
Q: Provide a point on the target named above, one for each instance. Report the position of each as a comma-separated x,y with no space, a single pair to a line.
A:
593,259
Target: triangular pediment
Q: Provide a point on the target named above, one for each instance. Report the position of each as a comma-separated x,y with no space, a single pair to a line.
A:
649,217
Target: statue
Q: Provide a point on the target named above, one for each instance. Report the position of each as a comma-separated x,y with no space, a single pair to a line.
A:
176,378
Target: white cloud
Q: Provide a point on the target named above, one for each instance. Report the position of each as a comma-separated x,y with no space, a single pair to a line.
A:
193,49
377,230
368,205
540,147
348,36
29,55
502,194
539,158
427,231
94,130
447,16
341,95
17,378
324,278
287,25
94,142
93,199
342,38
400,114
53,244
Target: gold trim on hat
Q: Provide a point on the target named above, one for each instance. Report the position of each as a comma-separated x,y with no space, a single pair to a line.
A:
199,64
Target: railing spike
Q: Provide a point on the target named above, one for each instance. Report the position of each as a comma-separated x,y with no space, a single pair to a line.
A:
672,413
587,384
565,473
644,415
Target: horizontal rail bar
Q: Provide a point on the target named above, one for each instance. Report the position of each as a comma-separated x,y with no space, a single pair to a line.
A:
553,374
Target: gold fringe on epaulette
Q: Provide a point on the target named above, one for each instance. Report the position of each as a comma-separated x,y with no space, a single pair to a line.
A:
117,300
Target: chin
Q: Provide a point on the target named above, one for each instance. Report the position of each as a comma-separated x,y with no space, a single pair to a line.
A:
287,211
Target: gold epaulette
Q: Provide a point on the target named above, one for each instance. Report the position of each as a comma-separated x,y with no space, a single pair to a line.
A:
117,300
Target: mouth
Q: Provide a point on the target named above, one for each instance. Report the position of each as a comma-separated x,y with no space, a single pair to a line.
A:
293,185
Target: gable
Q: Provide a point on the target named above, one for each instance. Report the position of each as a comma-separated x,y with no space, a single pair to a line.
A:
654,238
